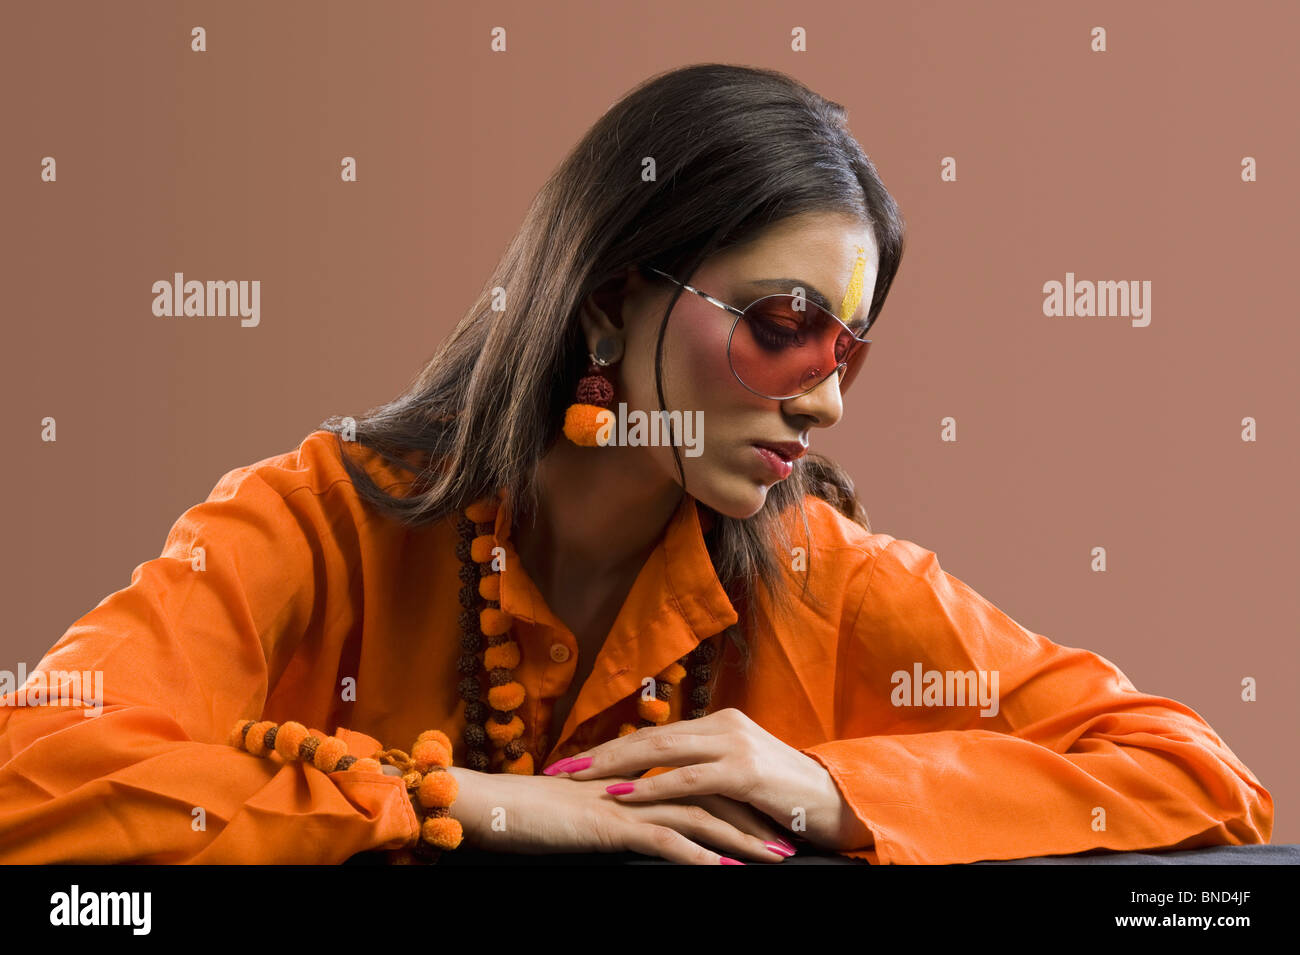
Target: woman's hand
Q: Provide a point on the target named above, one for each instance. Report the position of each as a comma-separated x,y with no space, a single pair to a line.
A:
505,812
728,754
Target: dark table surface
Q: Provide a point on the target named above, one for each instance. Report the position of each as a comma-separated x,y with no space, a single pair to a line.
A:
1215,855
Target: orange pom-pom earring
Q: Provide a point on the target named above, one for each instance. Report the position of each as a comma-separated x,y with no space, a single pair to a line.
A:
595,393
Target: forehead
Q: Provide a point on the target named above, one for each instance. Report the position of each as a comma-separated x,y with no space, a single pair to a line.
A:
819,252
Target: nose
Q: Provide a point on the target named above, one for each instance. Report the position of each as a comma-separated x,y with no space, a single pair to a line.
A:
823,404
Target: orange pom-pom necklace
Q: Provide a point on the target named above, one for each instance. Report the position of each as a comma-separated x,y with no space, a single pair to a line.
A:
488,651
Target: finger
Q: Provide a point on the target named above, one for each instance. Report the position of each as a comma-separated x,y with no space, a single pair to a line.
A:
718,833
666,842
711,725
652,746
743,817
697,779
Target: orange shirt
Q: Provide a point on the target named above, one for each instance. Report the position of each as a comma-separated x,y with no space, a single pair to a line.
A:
311,607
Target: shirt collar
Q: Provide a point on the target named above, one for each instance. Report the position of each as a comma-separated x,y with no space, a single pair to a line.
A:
676,601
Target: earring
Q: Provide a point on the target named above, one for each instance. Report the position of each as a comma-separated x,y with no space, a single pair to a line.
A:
595,393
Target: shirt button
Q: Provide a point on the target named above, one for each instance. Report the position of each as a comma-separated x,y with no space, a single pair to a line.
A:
559,652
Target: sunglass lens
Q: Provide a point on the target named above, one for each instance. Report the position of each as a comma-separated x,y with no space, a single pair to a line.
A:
783,346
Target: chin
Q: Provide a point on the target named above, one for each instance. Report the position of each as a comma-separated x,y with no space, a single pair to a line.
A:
736,499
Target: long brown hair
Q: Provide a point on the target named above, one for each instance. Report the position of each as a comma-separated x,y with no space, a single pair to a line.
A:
736,149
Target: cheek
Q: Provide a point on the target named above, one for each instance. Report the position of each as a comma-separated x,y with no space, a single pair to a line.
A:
700,354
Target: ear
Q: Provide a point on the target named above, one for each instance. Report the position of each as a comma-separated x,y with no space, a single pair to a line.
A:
601,314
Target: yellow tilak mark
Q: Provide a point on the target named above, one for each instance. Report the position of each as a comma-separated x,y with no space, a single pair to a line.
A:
853,294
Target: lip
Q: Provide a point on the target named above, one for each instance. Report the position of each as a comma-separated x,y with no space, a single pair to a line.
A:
785,450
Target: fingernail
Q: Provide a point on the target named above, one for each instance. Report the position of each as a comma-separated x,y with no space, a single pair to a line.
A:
567,765
618,789
723,860
779,850
787,843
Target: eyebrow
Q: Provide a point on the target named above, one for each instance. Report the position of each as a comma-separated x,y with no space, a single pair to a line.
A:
811,293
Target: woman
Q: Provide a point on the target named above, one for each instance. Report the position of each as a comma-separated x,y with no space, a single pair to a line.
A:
507,556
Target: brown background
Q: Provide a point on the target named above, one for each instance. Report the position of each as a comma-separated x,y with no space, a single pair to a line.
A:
1073,432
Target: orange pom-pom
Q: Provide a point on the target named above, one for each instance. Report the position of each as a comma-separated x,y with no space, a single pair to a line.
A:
236,737
255,741
501,734
288,738
444,832
328,753
626,728
523,766
437,789
480,548
438,735
656,711
582,424
493,622
506,697
366,765
430,752
673,673
482,511
502,655
489,587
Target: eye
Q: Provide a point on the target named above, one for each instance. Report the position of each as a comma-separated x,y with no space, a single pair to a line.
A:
775,323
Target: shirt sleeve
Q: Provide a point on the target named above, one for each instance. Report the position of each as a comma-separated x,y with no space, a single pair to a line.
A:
1067,757
129,761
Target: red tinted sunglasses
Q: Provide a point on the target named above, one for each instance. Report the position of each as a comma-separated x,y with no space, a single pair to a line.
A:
784,346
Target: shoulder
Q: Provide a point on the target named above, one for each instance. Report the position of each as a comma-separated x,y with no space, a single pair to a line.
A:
835,537
316,467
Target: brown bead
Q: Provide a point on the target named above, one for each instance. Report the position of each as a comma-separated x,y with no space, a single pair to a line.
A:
470,573
477,760
468,663
469,597
476,711
500,676
474,736
345,762
663,690
704,653
464,526
307,748
270,738
595,390
700,695
462,549
469,688
698,713
503,717
471,641
515,748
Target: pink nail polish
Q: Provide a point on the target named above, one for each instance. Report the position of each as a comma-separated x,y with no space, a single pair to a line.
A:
779,850
618,789
723,860
787,843
567,765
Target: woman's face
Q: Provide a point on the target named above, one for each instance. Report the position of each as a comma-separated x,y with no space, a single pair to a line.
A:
723,468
